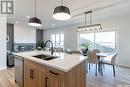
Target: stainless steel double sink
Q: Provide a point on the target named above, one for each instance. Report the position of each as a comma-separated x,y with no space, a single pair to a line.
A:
45,57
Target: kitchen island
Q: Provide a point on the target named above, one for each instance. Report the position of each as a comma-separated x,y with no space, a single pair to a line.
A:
41,69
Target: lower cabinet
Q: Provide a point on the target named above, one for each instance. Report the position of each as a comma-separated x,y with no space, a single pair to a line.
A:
32,76
37,75
41,77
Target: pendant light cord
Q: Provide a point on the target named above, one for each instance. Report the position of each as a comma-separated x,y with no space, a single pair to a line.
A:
85,19
61,2
35,7
89,14
90,18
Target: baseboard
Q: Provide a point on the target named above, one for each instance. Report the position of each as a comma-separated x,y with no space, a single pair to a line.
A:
124,66
3,68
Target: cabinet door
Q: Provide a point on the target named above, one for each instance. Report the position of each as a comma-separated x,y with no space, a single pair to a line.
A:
32,76
44,79
55,80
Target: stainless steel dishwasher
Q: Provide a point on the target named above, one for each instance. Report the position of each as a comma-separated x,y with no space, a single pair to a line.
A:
19,71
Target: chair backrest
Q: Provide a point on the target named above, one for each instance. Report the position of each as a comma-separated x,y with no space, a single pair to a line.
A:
96,51
92,57
114,58
89,55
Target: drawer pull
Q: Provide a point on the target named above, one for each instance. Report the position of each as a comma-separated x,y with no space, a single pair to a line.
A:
31,74
46,81
54,73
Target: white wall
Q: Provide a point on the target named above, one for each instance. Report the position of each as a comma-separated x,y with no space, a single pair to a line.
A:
3,29
123,33
24,34
123,26
70,36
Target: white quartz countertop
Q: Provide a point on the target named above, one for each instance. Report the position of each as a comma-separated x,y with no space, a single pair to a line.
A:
64,62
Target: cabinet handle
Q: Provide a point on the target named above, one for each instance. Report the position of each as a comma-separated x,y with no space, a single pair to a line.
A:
31,73
46,81
54,73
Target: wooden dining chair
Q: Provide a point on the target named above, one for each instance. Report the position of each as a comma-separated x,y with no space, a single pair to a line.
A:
110,60
96,50
92,59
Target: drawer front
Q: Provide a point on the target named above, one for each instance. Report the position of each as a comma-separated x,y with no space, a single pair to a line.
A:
55,72
39,66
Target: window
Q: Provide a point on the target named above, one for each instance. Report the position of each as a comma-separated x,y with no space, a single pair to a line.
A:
57,39
52,38
87,38
104,41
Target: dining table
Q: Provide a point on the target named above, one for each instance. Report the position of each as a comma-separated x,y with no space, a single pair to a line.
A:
102,54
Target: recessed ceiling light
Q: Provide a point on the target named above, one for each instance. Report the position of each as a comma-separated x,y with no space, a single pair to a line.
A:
28,16
40,27
16,22
53,24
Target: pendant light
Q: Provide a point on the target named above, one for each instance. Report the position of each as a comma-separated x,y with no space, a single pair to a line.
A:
34,21
90,26
61,12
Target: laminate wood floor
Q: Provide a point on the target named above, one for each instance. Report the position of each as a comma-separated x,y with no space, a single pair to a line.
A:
7,78
122,78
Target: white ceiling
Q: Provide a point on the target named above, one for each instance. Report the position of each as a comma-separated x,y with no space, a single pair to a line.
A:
101,8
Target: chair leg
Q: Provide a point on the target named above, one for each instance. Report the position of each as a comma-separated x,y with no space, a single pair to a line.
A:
103,66
96,70
89,66
101,69
113,70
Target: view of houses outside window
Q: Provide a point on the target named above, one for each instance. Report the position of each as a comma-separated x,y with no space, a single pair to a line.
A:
104,41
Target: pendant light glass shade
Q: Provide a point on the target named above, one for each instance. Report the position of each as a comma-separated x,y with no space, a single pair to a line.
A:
35,22
61,13
89,27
